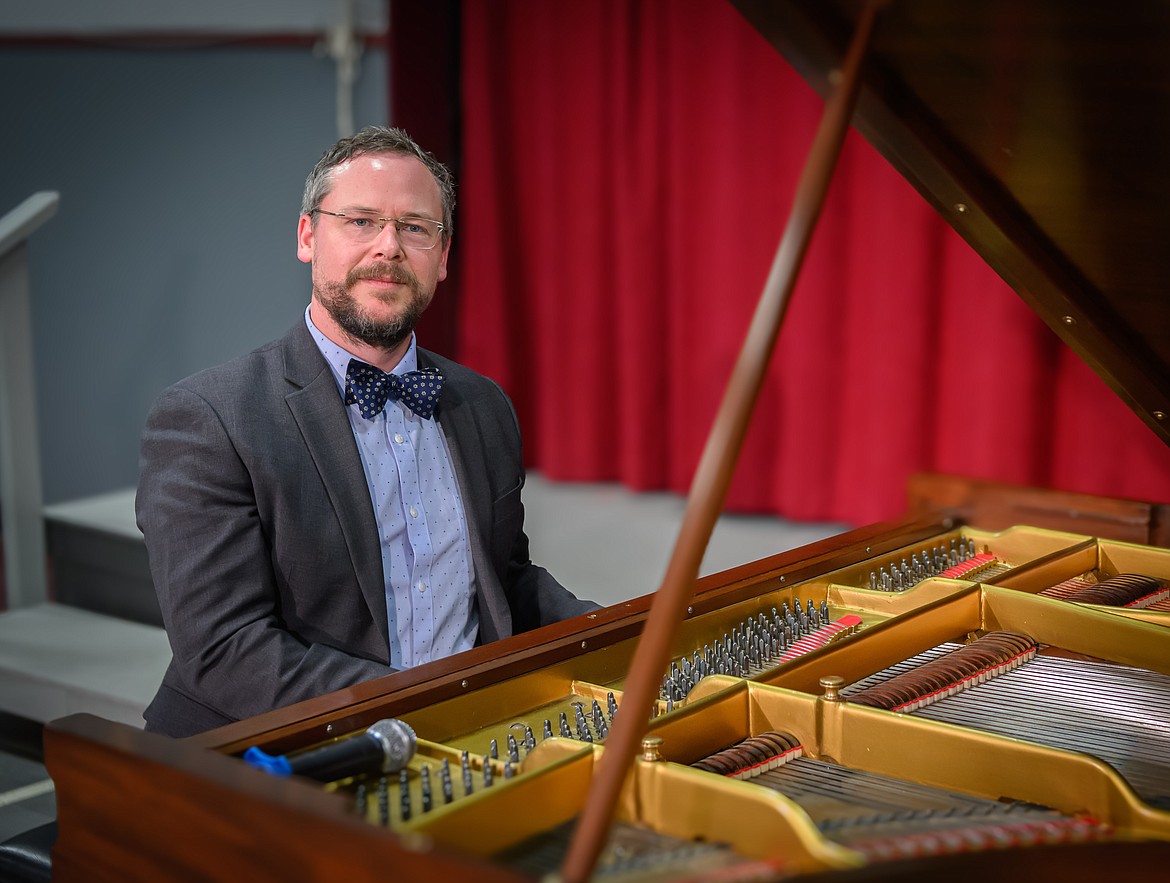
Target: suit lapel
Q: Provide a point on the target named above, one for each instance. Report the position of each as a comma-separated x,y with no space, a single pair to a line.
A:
469,459
320,415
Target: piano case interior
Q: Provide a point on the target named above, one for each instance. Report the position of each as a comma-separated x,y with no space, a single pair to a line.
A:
1006,717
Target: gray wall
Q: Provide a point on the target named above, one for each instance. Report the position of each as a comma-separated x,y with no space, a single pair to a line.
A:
180,173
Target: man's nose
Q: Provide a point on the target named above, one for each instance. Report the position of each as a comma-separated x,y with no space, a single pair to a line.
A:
388,243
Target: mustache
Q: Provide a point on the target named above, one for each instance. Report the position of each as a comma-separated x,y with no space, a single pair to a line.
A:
393,272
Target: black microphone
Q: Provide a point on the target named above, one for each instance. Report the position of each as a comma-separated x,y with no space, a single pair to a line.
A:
386,747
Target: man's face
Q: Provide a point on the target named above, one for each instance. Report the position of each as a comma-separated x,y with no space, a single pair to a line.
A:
374,290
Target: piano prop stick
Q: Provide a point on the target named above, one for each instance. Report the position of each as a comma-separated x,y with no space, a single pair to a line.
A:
713,475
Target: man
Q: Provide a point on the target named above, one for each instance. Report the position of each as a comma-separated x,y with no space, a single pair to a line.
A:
304,536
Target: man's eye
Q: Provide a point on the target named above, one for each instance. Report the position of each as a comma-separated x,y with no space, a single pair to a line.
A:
409,227
361,223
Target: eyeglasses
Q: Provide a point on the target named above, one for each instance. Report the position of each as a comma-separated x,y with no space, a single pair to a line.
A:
412,232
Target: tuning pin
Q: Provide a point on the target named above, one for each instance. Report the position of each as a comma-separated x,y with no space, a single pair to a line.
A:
465,764
426,788
404,794
487,772
493,750
445,781
384,801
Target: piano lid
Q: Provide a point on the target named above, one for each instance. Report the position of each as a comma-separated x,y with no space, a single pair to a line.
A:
1041,131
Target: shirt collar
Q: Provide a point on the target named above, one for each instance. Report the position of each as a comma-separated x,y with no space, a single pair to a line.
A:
338,357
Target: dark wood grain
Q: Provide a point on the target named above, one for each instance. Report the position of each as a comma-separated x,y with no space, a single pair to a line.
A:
998,505
1039,132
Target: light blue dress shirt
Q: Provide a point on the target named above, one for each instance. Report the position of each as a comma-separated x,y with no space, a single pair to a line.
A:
426,556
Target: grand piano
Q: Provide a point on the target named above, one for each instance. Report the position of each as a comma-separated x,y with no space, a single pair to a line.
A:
980,688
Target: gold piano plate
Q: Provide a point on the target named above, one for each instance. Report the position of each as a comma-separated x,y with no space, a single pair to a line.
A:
1093,563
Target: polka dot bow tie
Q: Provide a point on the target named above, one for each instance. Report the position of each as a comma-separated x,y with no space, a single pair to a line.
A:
370,388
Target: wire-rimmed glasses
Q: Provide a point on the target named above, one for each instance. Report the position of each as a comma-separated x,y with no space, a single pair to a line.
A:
413,232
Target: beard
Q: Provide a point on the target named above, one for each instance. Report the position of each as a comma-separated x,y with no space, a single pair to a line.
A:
357,323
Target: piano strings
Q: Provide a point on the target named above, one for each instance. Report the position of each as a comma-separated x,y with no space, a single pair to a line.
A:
1116,713
888,818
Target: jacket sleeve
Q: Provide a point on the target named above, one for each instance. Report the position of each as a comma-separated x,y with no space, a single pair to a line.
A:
535,597
225,600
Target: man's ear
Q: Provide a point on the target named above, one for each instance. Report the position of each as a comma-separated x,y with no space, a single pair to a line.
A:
443,262
305,239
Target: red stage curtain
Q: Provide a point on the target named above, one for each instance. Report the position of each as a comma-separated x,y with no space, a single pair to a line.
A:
627,173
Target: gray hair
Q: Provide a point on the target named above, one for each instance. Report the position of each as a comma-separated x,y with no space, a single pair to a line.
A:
377,139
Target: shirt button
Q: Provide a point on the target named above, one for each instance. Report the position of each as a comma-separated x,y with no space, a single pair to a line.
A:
398,437
413,512
422,587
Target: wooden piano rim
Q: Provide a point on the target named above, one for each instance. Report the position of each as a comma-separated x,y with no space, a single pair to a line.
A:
183,773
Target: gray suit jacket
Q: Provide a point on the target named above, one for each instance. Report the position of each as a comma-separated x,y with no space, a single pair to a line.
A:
263,543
